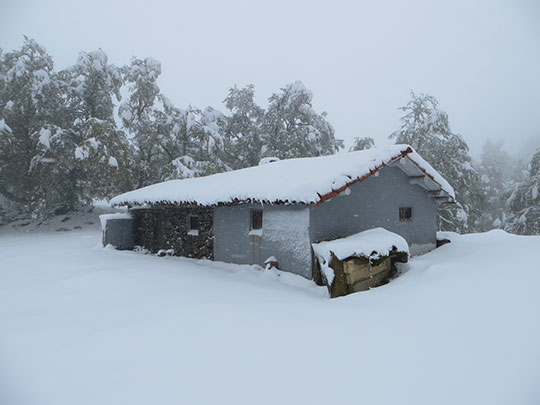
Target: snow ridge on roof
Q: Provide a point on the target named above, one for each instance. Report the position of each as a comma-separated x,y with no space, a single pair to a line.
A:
301,180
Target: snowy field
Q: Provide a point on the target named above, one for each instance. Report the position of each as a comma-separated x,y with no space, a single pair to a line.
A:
80,324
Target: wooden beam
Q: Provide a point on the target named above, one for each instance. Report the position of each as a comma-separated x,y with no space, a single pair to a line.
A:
443,199
421,180
438,193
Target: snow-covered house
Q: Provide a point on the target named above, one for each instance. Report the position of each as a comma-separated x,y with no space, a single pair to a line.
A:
282,207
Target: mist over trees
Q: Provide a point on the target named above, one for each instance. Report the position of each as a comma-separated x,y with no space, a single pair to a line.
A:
95,129
426,128
524,202
496,192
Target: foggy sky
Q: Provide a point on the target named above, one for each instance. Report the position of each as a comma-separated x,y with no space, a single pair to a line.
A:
480,59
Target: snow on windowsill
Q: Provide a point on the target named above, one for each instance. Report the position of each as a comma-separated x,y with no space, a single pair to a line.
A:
255,232
193,232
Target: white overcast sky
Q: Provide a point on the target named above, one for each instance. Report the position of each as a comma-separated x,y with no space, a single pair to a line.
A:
480,59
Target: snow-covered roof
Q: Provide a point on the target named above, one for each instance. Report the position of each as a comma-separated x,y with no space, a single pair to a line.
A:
302,180
373,244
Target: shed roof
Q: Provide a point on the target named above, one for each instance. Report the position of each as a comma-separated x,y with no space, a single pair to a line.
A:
292,181
373,243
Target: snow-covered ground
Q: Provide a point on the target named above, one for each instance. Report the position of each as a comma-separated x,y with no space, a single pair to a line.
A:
80,324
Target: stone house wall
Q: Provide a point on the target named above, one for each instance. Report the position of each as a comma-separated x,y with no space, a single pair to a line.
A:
163,227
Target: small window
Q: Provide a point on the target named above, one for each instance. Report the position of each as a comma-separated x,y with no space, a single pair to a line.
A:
193,223
256,219
405,214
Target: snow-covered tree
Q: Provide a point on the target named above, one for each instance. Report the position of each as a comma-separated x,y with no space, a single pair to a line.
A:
362,143
60,146
210,139
96,149
291,127
524,202
88,157
175,141
169,142
497,171
94,86
31,108
73,168
426,128
138,115
191,140
243,128
61,142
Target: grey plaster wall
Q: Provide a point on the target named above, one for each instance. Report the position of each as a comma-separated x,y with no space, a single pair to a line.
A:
375,202
231,234
119,233
288,230
285,235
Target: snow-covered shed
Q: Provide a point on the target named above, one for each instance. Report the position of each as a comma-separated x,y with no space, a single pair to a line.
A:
360,261
280,208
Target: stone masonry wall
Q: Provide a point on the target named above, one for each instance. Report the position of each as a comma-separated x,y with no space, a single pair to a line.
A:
167,228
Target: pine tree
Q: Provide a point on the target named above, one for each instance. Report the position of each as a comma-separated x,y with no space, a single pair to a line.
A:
426,128
292,128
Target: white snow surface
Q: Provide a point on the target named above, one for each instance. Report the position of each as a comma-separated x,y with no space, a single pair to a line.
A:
113,162
302,180
81,152
270,259
4,127
45,138
81,324
371,244
103,218
266,160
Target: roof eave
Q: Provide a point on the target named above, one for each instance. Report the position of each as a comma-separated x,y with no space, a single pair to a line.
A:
334,193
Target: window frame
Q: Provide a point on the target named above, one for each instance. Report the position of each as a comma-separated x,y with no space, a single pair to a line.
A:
191,223
405,214
254,213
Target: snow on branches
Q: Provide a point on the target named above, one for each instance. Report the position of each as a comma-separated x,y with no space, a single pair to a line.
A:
94,129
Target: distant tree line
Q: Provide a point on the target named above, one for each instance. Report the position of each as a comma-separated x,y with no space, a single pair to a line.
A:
94,130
